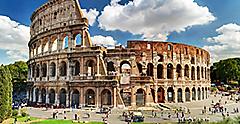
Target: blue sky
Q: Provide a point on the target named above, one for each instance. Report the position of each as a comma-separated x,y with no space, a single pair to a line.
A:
202,32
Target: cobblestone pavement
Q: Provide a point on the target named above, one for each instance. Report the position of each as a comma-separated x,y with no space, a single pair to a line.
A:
195,108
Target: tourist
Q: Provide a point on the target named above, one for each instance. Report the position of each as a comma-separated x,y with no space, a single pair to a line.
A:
75,116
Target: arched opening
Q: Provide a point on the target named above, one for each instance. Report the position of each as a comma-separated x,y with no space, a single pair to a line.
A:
90,97
75,98
33,71
153,95
186,71
45,47
36,94
150,69
54,45
65,43
43,95
106,97
44,70
206,92
192,60
63,68
63,95
161,59
76,68
198,73
52,69
169,71
205,73
179,71
38,71
160,95
203,93
170,94
193,93
78,40
193,73
187,94
180,95
52,96
126,97
110,67
160,71
140,97
199,93
125,67
139,67
90,68
202,71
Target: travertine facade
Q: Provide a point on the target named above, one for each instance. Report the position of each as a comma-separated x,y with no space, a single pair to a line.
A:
67,70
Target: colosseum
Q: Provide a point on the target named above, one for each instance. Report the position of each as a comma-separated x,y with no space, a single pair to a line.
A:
66,69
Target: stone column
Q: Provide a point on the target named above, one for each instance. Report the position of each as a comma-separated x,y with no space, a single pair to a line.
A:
166,94
155,71
48,70
28,94
67,99
97,97
70,99
133,98
164,71
114,97
98,65
174,73
175,95
148,95
82,66
183,95
190,95
82,96
155,92
34,95
56,98
39,96
47,96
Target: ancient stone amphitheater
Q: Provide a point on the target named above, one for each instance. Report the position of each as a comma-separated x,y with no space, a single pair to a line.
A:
66,70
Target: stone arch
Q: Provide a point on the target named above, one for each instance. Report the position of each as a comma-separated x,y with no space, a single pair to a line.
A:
38,71
126,97
36,94
106,97
199,93
179,71
110,67
160,95
203,93
52,69
89,97
62,98
78,40
186,71
139,65
76,68
43,95
63,68
198,73
169,71
193,73
75,98
150,69
90,68
187,95
140,97
52,96
160,71
194,93
65,42
125,66
44,70
170,94
180,94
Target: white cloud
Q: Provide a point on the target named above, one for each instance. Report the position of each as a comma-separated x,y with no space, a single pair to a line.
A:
154,19
14,38
103,40
91,15
226,44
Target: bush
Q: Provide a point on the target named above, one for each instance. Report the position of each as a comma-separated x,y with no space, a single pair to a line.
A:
14,113
24,114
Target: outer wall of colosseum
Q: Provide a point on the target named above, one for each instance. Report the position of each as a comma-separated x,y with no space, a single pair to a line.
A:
66,70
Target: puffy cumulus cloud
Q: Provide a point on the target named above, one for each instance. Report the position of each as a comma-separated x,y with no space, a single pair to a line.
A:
103,40
226,44
14,38
91,15
154,19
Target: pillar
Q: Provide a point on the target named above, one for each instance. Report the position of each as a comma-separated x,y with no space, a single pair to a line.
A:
97,97
166,94
82,66
34,95
133,98
70,99
148,95
56,98
114,97
155,72
156,95
175,95
190,94
67,99
47,96
39,96
81,96
183,95
164,71
98,65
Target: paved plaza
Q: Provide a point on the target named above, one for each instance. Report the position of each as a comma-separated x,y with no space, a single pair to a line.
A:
115,117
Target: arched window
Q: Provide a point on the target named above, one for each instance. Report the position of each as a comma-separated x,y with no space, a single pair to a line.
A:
45,47
78,40
139,65
44,70
192,60
193,73
65,43
110,67
76,68
52,69
198,73
186,71
169,71
160,71
150,69
38,71
90,68
63,69
161,59
179,71
54,45
169,47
